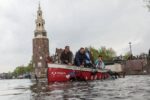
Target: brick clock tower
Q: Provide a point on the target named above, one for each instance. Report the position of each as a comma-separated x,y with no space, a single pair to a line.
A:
40,46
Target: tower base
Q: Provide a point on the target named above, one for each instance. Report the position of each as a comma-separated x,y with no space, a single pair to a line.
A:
40,75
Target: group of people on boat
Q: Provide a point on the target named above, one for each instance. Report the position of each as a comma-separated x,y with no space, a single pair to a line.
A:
83,57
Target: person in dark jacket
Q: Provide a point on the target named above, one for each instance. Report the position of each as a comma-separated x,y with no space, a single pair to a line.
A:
66,56
80,57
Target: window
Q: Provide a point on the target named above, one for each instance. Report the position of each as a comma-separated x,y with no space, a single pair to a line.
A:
41,57
39,64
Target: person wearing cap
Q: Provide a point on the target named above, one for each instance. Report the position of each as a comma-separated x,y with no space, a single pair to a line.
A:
66,56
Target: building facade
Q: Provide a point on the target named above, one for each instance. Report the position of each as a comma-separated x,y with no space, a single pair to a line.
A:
40,46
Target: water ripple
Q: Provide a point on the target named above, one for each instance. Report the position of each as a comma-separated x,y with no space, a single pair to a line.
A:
129,88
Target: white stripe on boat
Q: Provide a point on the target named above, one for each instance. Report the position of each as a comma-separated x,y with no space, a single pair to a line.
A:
74,67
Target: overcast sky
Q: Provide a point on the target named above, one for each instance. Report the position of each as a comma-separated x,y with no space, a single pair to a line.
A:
78,23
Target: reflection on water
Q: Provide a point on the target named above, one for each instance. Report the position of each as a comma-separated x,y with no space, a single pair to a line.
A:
129,88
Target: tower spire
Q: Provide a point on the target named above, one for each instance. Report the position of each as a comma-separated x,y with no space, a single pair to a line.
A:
40,22
39,5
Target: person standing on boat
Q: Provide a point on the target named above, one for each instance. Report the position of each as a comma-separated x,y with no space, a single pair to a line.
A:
88,58
66,56
80,57
99,63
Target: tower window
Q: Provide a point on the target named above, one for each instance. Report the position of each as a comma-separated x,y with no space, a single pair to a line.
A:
39,14
39,64
39,24
41,57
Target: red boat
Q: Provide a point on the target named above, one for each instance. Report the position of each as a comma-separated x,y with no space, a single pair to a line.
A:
63,73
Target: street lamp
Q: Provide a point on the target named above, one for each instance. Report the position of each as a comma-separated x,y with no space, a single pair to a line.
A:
130,46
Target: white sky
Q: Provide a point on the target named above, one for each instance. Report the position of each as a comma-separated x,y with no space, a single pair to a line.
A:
78,23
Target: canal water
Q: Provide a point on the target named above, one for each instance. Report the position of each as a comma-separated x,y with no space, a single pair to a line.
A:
129,88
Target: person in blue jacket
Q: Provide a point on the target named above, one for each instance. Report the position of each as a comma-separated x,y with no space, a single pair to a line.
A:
80,57
88,58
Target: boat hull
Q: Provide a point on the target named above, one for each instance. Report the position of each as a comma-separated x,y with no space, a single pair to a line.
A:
64,73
